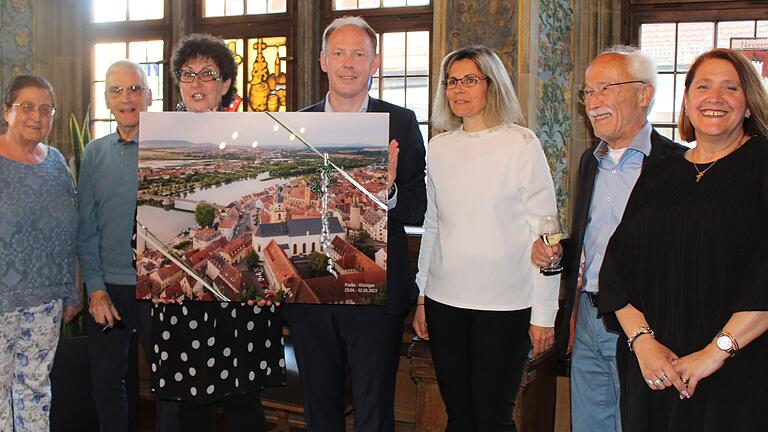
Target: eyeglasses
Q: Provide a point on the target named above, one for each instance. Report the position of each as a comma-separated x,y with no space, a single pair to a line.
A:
205,75
601,91
466,81
29,108
132,90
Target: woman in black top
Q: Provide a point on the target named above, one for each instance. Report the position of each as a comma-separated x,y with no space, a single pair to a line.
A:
686,271
205,353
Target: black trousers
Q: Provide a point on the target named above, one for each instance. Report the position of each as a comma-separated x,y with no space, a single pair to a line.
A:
242,413
108,355
478,357
329,339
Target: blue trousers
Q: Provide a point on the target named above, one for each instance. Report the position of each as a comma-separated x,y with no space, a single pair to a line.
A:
594,377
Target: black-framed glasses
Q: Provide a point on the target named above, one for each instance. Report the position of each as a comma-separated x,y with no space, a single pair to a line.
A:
602,90
132,90
205,75
41,110
466,81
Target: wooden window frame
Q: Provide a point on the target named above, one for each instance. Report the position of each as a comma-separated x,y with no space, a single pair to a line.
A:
126,31
638,12
387,20
256,26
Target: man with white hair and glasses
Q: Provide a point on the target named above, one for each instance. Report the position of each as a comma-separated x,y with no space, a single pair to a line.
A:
107,191
618,94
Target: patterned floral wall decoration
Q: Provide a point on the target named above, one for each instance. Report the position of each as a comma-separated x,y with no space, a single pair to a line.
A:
16,39
492,23
555,78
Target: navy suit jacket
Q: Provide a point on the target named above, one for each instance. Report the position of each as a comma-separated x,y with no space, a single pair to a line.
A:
573,246
410,208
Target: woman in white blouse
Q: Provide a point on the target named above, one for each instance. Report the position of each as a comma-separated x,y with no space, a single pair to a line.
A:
482,303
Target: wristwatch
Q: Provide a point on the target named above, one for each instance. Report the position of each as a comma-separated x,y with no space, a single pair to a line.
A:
725,342
392,190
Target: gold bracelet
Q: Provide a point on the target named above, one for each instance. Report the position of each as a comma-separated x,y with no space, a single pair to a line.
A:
639,332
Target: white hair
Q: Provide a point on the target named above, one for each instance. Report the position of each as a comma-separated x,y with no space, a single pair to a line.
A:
127,64
640,65
356,21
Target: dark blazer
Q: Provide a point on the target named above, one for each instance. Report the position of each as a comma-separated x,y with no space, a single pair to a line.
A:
572,247
411,202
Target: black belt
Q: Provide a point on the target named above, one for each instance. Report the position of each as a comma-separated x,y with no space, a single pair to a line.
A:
592,298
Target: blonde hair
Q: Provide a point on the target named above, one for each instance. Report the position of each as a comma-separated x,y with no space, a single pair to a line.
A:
501,107
754,93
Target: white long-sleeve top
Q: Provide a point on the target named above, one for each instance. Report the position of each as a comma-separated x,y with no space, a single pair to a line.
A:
486,191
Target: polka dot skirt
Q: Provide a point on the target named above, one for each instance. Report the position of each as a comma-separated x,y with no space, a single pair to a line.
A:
203,351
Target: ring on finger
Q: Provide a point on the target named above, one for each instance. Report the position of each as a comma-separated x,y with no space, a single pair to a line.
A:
663,377
650,383
686,381
657,382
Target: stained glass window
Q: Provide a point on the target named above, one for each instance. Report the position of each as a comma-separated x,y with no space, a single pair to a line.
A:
262,80
127,10
220,8
148,54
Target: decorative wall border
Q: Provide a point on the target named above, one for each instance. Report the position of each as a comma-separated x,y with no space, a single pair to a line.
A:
554,91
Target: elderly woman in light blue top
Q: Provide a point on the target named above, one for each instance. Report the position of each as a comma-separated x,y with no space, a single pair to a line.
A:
38,226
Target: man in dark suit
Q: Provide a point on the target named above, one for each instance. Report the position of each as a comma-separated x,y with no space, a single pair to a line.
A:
329,338
618,93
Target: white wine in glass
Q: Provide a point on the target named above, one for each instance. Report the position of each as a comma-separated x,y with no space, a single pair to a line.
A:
551,233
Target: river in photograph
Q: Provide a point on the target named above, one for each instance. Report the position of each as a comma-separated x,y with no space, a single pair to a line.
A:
164,224
225,194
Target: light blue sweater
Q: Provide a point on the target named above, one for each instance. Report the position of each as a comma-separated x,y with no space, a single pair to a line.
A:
107,191
38,228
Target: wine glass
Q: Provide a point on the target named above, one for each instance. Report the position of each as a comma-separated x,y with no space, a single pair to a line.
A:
550,233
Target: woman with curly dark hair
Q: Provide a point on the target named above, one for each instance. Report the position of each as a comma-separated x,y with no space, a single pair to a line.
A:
211,353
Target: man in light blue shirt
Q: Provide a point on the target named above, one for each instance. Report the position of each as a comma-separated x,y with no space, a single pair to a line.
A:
618,93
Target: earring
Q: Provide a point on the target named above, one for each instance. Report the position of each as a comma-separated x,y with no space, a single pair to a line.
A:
685,113
748,114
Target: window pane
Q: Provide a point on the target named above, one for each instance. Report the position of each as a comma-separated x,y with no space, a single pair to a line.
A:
664,106
268,83
417,97
145,9
276,6
417,61
667,132
693,39
100,109
394,91
344,4
393,55
762,29
257,6
109,10
424,129
728,29
679,93
101,128
393,3
214,8
658,41
418,2
104,55
233,7
374,91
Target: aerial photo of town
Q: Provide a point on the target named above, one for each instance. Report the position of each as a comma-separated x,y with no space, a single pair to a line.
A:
243,217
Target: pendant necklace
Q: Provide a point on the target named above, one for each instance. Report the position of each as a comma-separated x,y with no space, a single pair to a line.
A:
700,173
